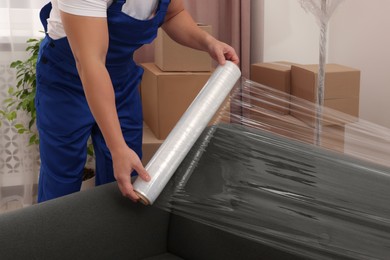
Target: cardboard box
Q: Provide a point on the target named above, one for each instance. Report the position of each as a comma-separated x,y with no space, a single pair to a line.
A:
335,111
277,76
272,74
171,56
150,145
340,81
223,115
332,137
167,95
342,87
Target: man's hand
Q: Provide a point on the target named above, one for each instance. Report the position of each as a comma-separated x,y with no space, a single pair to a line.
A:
124,162
222,52
181,27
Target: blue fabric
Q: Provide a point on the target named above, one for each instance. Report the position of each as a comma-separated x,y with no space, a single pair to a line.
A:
64,119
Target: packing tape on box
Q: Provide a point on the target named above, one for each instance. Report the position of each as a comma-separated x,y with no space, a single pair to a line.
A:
185,133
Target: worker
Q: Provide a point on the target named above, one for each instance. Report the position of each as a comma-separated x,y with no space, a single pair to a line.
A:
87,86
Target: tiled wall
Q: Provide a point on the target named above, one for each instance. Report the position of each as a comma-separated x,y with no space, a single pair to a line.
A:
19,162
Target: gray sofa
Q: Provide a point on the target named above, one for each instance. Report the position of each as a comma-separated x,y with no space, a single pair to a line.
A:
284,194
101,224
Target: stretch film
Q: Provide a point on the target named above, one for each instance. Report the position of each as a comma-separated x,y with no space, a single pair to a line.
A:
180,140
263,177
322,11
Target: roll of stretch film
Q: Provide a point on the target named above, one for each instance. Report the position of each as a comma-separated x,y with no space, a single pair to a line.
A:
185,133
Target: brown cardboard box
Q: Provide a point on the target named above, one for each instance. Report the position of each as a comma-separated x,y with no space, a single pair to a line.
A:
150,145
272,74
332,137
223,113
167,95
275,75
171,56
340,81
342,87
335,111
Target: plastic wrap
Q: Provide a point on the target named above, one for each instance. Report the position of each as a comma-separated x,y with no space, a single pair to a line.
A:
264,177
180,140
322,11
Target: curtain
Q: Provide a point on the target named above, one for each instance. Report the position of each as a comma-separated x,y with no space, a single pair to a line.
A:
230,21
19,162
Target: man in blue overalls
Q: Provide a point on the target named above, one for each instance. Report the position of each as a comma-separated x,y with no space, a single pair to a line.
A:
87,85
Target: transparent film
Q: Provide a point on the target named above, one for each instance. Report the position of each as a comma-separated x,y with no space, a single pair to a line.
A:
259,171
185,133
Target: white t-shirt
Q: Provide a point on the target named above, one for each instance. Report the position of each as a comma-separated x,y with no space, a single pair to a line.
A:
139,9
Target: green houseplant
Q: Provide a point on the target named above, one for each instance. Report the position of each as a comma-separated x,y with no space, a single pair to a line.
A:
22,98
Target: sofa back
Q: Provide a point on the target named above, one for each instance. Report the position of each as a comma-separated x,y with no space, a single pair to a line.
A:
96,224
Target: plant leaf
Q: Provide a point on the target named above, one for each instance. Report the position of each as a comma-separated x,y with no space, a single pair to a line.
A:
11,116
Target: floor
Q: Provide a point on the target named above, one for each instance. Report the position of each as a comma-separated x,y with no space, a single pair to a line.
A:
11,198
10,206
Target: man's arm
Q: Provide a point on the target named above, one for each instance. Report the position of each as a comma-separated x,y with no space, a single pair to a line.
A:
180,26
88,38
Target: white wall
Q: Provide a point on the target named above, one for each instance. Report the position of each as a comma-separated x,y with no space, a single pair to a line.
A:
289,32
359,37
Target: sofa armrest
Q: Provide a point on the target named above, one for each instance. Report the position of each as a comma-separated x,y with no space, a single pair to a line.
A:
95,224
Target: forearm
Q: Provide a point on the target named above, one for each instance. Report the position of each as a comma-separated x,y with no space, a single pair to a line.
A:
181,27
88,37
101,100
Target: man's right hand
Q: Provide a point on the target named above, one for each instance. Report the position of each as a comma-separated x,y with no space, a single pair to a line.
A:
124,162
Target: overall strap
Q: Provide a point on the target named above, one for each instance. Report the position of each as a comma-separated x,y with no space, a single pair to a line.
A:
164,5
44,15
117,5
165,1
163,8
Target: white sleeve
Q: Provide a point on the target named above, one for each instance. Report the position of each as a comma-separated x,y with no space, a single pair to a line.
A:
94,8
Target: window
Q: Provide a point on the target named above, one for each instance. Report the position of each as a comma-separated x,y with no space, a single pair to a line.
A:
19,21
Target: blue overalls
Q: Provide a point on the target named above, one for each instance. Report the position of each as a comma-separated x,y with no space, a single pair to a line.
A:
64,119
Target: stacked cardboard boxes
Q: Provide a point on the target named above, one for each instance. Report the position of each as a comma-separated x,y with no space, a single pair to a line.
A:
167,95
168,87
295,118
150,144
